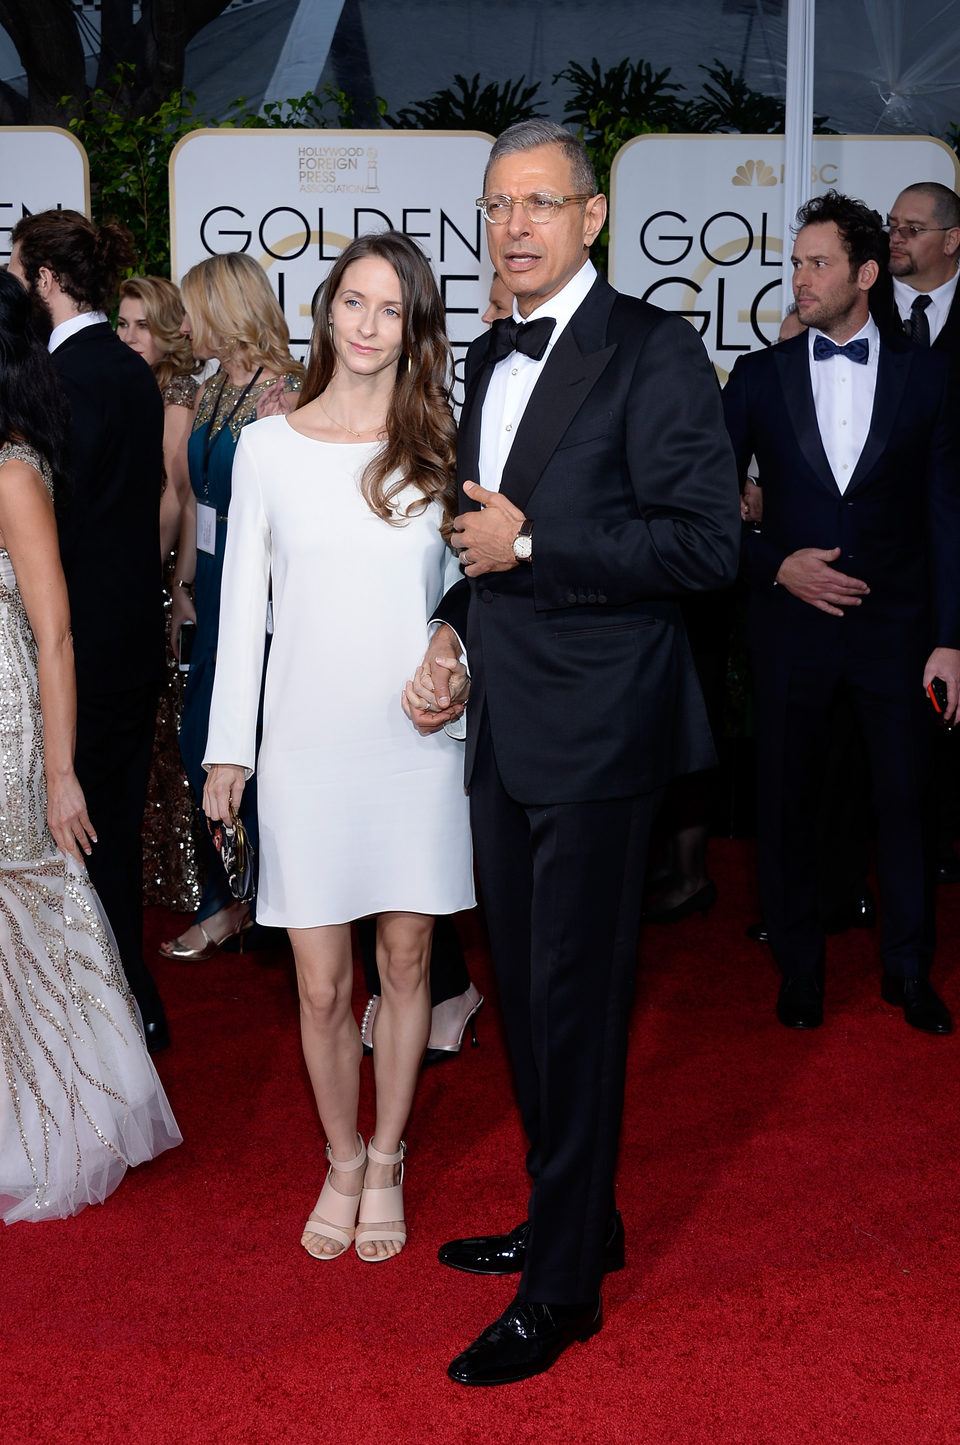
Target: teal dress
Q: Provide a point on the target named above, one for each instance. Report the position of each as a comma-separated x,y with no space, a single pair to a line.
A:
223,412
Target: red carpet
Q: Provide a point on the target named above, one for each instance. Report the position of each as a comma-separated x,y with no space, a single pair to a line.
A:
790,1202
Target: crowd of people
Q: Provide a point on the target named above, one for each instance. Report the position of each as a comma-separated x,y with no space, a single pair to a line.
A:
549,577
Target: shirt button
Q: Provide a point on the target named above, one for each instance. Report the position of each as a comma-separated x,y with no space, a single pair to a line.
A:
508,427
514,371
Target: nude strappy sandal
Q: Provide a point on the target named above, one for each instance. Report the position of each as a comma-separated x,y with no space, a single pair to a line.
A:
379,1207
334,1214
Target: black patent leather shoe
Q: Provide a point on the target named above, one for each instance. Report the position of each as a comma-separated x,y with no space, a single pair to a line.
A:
526,1340
860,912
758,932
156,1034
507,1253
923,1008
800,1003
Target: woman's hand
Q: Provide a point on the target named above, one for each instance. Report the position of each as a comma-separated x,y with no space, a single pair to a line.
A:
67,817
182,610
275,400
224,785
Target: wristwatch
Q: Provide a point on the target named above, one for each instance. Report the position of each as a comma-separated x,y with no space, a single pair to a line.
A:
523,541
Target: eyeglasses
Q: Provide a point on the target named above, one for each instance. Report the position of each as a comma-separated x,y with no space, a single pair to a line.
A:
908,232
537,207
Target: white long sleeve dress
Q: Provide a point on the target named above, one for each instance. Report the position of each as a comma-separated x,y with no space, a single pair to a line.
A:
358,813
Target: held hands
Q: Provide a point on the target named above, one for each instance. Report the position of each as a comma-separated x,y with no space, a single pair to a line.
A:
808,574
438,690
224,785
67,817
484,539
945,662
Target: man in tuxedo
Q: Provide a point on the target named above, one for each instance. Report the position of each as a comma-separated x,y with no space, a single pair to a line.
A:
924,231
597,489
110,546
855,590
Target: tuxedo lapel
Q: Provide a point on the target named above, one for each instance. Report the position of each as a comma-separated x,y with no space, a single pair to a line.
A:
468,432
893,368
793,370
569,374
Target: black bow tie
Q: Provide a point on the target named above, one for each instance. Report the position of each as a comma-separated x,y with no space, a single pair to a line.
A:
530,337
824,348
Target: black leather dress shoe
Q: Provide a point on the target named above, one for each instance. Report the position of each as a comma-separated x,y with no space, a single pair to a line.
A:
923,1008
156,1034
506,1253
800,1003
860,912
700,902
526,1340
758,932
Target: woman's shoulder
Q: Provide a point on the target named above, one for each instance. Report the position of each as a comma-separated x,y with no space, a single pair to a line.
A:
181,391
27,456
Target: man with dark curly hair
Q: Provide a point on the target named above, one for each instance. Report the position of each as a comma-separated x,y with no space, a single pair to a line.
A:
854,590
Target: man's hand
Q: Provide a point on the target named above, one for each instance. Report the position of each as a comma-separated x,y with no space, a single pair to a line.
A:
438,691
945,662
751,502
485,539
809,576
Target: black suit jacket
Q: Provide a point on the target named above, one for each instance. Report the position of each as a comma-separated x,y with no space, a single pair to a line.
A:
897,524
580,661
109,524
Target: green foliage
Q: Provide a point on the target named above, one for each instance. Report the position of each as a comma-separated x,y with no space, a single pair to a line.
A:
632,92
129,154
727,103
464,106
952,136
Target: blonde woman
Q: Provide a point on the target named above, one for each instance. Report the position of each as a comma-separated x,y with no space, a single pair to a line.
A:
231,314
149,322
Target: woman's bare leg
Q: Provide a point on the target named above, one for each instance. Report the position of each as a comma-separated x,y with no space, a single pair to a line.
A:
331,1049
400,1034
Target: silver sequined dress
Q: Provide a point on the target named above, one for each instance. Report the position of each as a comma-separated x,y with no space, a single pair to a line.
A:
80,1099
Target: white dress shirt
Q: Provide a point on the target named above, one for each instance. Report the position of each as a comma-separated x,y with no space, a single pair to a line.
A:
73,324
843,392
515,377
940,302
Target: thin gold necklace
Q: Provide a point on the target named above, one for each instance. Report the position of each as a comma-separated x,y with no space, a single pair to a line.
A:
357,434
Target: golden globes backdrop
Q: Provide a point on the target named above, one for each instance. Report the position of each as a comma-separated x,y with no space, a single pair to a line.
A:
41,168
292,199
697,221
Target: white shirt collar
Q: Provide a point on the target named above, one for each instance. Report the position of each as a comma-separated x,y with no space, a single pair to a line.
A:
72,325
562,306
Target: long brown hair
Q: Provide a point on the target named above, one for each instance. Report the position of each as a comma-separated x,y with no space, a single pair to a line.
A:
421,436
163,311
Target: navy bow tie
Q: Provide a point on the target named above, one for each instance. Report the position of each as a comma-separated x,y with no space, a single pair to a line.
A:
824,348
530,337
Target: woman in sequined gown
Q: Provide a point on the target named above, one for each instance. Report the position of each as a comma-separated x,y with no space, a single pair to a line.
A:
232,316
80,1100
149,321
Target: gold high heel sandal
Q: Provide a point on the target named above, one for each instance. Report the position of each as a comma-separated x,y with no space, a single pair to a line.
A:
178,951
334,1214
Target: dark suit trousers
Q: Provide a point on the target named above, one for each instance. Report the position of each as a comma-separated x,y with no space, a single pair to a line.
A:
795,699
114,742
561,889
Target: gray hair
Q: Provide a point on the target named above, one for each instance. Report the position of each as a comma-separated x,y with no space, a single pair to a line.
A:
526,135
946,203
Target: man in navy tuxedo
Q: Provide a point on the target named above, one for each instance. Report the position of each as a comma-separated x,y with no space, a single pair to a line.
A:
855,588
597,488
110,546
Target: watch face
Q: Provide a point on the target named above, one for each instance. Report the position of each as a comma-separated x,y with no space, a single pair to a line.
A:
523,548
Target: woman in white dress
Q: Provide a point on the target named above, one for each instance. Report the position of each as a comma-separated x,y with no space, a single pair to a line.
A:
79,1098
343,508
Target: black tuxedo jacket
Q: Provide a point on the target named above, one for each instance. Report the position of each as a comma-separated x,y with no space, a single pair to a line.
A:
580,660
109,524
897,524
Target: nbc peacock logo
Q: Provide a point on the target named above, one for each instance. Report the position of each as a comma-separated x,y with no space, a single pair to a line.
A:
754,173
